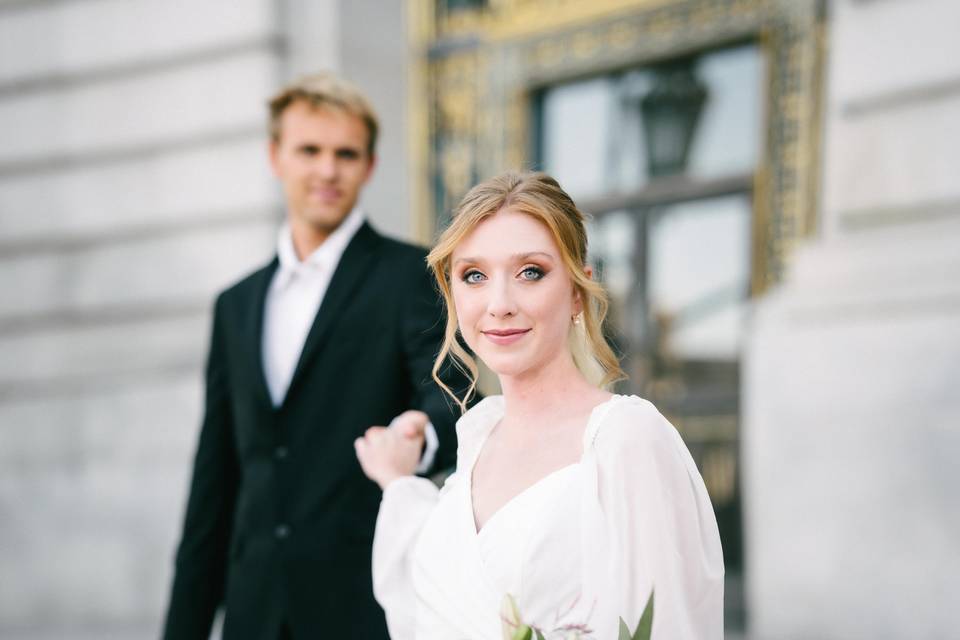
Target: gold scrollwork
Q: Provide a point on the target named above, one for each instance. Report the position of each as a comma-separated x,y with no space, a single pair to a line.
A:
585,44
482,111
548,53
621,35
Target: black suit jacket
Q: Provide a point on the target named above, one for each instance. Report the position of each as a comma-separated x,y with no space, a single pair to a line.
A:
279,522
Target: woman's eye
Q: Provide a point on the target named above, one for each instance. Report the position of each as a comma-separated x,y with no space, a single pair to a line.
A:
532,273
473,277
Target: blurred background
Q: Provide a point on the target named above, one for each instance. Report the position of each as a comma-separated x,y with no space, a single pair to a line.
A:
774,188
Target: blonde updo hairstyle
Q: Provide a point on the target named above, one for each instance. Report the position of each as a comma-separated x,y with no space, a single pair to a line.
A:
539,196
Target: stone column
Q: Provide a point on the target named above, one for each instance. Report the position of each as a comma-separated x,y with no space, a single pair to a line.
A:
852,416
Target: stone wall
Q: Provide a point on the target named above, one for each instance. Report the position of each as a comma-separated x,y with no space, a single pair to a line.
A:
852,419
133,185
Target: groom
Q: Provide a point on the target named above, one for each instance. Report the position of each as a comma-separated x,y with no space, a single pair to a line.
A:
336,334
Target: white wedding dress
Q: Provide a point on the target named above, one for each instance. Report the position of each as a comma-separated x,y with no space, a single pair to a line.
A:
585,544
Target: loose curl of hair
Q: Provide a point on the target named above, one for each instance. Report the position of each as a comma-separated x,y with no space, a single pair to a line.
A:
541,197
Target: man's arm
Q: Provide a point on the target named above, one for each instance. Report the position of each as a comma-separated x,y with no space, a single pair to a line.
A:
201,561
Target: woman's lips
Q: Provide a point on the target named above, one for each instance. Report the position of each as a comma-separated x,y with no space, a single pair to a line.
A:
505,336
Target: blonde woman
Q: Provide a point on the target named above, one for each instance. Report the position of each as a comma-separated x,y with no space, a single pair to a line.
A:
576,502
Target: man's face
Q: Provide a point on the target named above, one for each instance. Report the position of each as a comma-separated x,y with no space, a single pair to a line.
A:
322,161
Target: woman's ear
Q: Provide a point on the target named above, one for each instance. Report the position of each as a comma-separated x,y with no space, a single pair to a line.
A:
578,292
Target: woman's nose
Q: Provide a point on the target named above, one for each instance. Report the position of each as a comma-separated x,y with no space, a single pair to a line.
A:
502,300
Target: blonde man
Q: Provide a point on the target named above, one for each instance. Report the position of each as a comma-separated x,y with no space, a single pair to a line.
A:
335,335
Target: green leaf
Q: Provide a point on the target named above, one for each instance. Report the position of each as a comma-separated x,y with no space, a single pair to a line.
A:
523,632
540,635
624,631
645,626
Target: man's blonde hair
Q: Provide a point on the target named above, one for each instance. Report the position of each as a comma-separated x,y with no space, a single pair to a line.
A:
325,90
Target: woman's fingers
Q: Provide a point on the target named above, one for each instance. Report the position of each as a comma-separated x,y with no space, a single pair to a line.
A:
386,453
411,424
372,433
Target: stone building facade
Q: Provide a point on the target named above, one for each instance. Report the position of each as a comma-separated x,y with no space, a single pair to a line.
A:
852,416
133,185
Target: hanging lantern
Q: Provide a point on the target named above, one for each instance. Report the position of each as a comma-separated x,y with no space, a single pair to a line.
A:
670,112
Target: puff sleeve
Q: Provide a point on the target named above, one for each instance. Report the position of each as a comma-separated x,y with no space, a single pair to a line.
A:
407,503
649,525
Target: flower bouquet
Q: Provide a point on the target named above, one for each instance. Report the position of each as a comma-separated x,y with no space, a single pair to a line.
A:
514,628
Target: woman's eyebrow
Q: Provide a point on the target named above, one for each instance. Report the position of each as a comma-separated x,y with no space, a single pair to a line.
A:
516,257
520,257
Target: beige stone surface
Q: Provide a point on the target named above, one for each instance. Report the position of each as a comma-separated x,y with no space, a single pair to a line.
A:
851,416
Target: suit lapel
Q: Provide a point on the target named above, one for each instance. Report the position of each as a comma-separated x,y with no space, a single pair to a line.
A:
255,330
356,259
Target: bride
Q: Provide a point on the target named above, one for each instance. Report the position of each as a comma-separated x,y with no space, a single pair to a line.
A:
576,503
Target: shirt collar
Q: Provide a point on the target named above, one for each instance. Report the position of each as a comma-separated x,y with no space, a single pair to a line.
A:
326,256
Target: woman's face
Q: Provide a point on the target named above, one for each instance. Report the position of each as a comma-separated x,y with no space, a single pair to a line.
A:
513,295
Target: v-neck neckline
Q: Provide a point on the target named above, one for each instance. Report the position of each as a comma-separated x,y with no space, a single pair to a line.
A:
587,435
520,497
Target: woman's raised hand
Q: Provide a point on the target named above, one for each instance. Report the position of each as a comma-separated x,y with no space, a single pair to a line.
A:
388,453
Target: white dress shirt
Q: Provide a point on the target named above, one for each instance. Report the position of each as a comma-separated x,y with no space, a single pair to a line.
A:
293,300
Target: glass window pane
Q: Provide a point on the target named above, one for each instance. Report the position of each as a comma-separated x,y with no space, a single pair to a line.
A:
613,241
727,138
699,272
614,246
577,136
631,171
592,136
